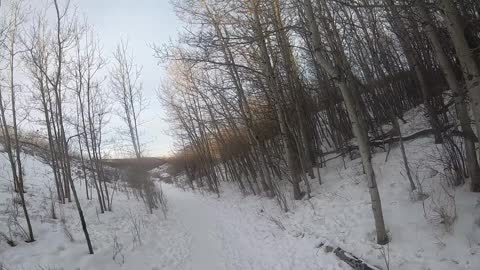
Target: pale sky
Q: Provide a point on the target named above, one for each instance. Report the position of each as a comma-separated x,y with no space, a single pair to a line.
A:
143,22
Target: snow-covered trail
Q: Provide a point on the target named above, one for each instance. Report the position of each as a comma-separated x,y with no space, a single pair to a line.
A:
200,223
225,234
201,232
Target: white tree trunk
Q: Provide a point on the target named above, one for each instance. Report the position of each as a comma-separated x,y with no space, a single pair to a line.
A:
460,105
359,126
470,69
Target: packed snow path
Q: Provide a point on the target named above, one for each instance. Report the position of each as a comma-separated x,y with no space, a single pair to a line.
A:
227,236
200,222
201,232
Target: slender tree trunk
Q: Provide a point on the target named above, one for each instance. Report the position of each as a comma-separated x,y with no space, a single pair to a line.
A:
13,165
396,127
80,213
14,154
471,70
358,123
273,86
459,94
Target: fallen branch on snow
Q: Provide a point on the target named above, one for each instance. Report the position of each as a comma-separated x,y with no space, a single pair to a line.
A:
348,258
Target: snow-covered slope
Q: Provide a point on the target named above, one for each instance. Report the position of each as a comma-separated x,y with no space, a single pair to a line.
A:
159,243
202,231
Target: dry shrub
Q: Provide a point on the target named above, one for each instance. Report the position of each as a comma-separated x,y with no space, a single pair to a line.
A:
146,189
277,222
117,251
18,200
442,209
7,239
450,158
49,202
448,164
137,225
15,229
66,230
419,193
385,254
162,200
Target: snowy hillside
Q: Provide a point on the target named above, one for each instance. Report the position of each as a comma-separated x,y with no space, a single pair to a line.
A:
202,231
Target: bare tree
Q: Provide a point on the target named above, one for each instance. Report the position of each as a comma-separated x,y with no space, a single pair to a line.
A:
470,67
12,144
86,64
459,95
47,47
343,78
127,89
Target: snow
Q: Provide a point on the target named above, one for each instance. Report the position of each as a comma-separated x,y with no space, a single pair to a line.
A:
202,231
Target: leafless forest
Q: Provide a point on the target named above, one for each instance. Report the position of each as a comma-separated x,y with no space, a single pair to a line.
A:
263,90
260,94
52,61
